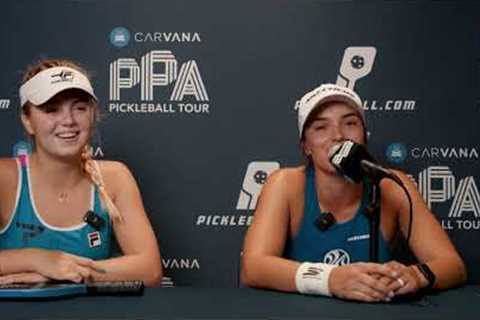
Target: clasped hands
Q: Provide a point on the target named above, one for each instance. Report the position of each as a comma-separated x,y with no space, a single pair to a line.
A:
374,282
48,265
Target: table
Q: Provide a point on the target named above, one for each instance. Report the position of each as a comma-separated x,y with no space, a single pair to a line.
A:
243,303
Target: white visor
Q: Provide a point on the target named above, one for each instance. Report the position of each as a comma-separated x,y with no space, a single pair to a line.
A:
47,83
327,93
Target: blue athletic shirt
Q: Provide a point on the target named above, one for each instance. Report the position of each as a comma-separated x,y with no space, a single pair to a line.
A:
27,229
342,243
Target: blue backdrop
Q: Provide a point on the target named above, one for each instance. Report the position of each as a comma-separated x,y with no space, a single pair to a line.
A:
198,100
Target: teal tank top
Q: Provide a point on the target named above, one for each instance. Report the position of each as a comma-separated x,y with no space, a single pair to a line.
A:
27,229
342,243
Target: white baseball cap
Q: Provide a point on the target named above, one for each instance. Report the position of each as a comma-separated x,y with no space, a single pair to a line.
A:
327,93
47,83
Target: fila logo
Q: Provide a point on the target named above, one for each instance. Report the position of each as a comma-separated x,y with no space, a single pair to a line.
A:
63,76
94,239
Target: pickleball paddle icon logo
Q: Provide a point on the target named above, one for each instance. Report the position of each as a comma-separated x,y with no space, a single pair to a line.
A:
255,177
357,62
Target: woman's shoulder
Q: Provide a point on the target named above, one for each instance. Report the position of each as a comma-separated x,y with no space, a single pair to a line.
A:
110,166
116,171
116,175
407,181
8,170
290,177
8,181
8,162
393,192
289,173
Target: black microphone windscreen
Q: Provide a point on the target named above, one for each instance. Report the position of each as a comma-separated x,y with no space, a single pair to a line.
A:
346,158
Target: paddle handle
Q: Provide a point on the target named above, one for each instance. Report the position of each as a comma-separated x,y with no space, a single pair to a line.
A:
130,288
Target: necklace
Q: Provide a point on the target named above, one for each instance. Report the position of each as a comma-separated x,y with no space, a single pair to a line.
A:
63,197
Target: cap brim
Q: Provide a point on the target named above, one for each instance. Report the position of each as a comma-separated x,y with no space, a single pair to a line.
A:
333,98
47,83
42,97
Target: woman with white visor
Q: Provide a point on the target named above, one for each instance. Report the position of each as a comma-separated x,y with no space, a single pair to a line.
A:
59,208
310,232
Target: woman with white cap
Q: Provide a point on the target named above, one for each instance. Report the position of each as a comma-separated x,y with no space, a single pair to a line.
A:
310,231
59,208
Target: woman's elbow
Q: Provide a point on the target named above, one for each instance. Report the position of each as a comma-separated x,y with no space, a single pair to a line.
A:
463,272
247,273
153,274
154,277
245,280
457,275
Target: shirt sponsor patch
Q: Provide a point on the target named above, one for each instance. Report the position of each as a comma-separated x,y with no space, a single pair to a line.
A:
359,237
94,239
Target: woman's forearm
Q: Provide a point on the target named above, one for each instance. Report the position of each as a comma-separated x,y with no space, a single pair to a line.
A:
18,260
130,267
449,271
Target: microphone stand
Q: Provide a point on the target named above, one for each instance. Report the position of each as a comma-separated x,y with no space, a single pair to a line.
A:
373,212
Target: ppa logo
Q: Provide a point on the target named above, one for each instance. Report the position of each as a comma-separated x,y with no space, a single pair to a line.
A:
437,184
255,177
159,71
187,81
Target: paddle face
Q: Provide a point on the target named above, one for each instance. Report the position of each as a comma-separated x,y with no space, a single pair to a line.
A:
41,290
52,290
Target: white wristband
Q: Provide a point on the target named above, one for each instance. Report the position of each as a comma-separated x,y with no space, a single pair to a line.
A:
312,278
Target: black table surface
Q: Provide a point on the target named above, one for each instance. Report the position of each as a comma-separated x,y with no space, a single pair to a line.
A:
222,303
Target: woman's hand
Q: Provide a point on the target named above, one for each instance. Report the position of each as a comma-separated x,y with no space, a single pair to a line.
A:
408,279
360,281
59,265
23,277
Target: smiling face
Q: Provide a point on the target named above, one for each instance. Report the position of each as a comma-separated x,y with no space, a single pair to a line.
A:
62,126
332,124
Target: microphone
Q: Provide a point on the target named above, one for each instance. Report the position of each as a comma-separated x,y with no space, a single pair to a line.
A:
353,161
325,220
94,220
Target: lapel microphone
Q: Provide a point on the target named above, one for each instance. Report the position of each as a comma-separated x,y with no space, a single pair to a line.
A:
325,220
94,220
